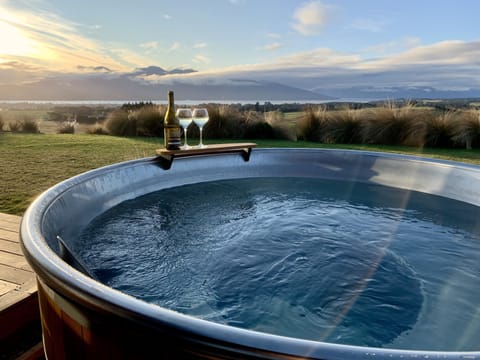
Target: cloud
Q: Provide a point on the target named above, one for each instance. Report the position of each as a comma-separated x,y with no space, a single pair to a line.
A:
453,52
200,45
151,45
394,46
201,59
273,36
17,65
322,57
167,17
310,18
273,46
175,46
370,25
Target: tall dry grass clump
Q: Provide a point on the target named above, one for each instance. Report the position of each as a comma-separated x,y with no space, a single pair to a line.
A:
119,123
15,126
439,129
342,127
225,122
26,125
2,123
259,128
281,129
149,121
311,126
228,122
390,125
97,129
466,129
67,127
145,121
30,126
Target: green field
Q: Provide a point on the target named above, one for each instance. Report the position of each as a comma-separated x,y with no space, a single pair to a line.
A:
31,164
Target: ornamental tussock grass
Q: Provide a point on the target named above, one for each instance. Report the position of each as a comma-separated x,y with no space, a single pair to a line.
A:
281,129
439,129
149,121
26,126
259,130
119,123
389,125
146,121
97,129
312,125
225,122
67,127
466,130
15,126
342,127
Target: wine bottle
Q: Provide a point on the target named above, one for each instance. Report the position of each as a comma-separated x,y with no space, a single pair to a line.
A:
172,132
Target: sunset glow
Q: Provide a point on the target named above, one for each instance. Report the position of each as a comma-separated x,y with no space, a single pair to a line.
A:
14,42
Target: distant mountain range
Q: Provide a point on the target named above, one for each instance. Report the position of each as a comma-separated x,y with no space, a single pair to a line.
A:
136,86
154,82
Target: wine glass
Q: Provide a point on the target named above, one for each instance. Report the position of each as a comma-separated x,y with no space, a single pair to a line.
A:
200,117
184,117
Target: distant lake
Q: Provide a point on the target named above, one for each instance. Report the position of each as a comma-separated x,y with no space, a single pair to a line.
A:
178,102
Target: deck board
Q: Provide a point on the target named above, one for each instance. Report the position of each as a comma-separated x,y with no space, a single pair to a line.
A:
14,268
9,235
10,246
14,260
18,289
14,275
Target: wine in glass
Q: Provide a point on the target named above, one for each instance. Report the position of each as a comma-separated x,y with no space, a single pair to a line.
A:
184,117
200,117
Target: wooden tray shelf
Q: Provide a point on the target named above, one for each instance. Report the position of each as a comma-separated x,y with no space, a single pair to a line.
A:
166,157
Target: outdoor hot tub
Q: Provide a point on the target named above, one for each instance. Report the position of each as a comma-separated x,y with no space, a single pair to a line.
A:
84,316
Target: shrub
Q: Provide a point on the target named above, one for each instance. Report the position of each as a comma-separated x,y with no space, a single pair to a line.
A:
225,122
389,125
466,129
121,123
15,127
29,126
97,129
2,123
259,130
281,129
144,121
149,121
342,127
67,128
439,130
312,125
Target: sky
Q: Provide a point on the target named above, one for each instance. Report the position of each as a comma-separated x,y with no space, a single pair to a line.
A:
276,38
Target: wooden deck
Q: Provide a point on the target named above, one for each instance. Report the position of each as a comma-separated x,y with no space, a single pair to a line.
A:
19,313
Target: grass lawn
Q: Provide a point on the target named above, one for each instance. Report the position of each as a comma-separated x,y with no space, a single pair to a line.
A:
31,164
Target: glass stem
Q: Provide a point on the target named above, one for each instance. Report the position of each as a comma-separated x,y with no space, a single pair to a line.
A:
185,131
201,143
